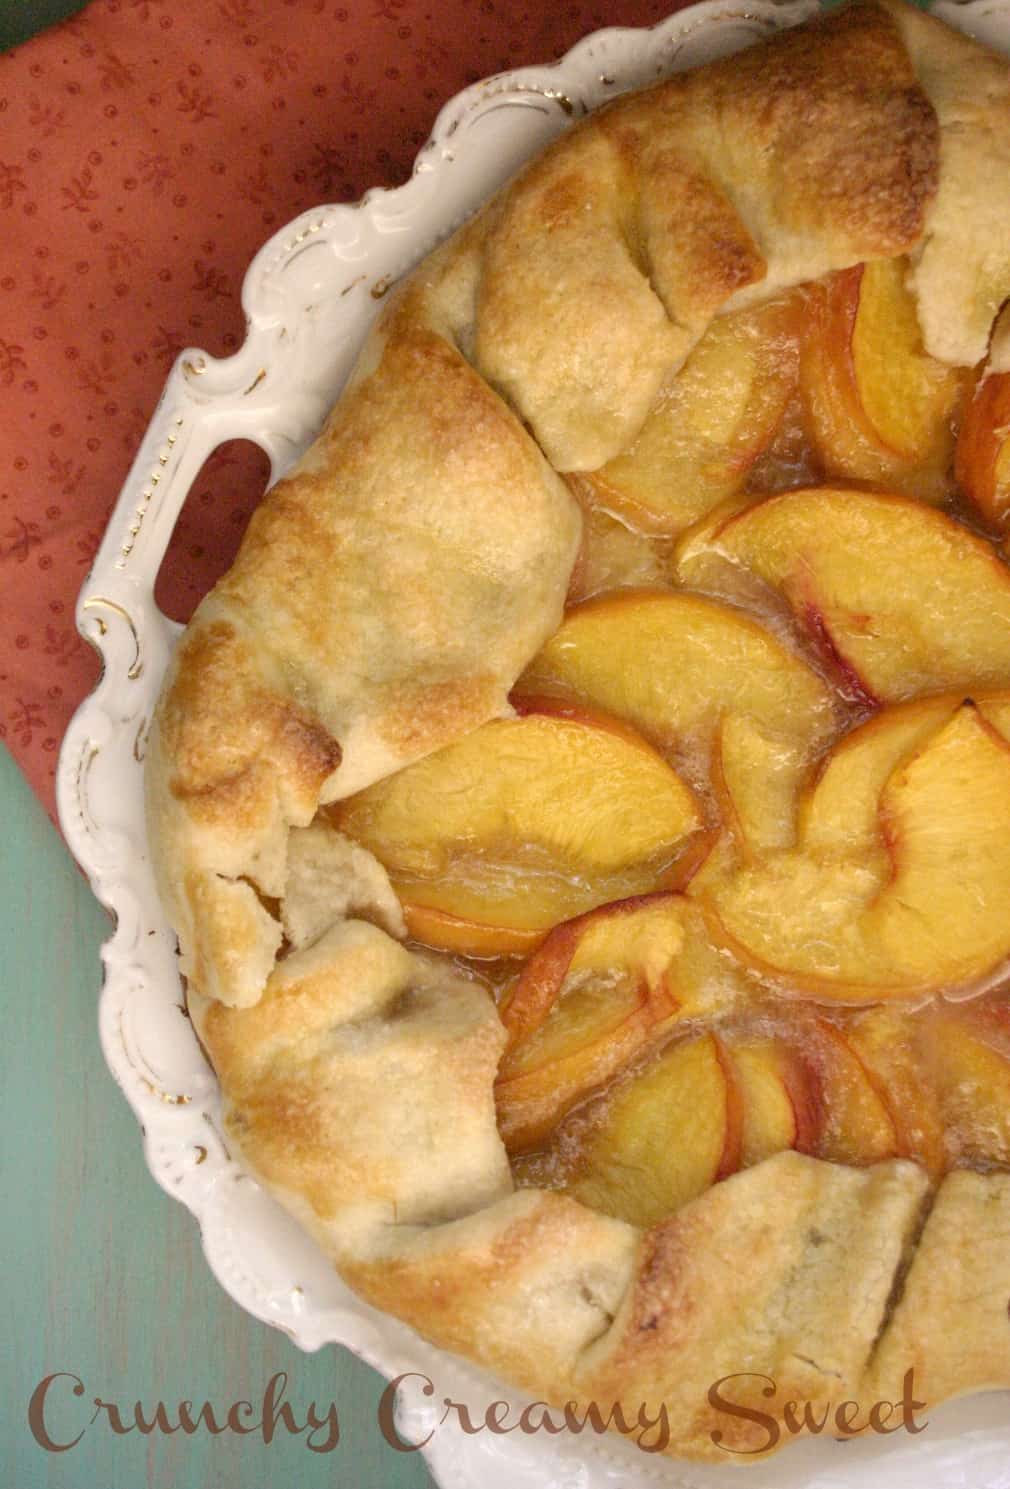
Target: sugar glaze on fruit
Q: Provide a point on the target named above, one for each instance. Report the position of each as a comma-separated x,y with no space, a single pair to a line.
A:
735,872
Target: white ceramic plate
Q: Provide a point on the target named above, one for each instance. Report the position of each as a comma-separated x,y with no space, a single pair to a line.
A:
309,297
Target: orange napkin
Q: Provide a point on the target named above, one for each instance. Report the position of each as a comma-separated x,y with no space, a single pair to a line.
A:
147,149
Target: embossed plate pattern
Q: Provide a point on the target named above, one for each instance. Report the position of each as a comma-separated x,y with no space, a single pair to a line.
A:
309,297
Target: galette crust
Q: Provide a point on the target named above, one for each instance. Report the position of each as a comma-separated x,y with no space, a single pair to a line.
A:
951,1324
388,593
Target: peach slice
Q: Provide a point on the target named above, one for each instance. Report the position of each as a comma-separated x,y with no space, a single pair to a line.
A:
946,820
933,915
599,989
595,992
758,775
839,812
972,1079
856,1125
778,1099
982,463
710,423
465,937
885,1040
638,939
685,669
612,556
898,598
524,823
537,1088
665,1137
879,408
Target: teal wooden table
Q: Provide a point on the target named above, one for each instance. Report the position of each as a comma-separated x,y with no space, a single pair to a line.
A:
104,1278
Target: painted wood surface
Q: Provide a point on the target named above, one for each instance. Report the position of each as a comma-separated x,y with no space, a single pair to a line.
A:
103,1274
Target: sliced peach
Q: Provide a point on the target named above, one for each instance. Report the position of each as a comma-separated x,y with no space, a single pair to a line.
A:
665,1137
898,598
856,1125
612,555
769,1122
524,823
599,989
673,663
754,781
698,564
972,1079
777,1097
638,939
839,813
795,919
946,820
908,396
982,464
760,773
723,858
531,1099
880,409
711,422
790,459
805,1095
685,669
931,915
468,937
884,1039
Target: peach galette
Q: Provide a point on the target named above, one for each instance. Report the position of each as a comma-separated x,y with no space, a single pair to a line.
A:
585,805
760,863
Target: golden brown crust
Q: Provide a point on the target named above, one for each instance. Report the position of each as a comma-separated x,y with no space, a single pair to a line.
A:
698,249
385,598
803,155
951,1323
525,1287
362,1080
782,1273
387,595
962,277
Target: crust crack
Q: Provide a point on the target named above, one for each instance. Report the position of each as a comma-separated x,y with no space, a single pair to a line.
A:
901,1271
821,1369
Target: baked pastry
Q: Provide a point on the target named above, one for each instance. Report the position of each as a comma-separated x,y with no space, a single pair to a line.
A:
615,992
